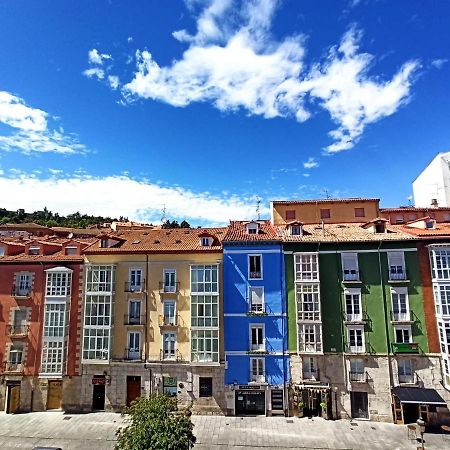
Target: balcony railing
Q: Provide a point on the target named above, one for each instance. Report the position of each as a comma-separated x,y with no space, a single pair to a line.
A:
134,287
257,378
133,320
18,330
356,348
360,377
407,379
133,354
400,316
170,356
398,275
168,321
351,275
354,317
21,291
172,288
258,347
310,347
312,375
255,274
405,347
13,367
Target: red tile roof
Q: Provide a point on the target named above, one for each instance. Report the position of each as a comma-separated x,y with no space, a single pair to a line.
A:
325,200
237,232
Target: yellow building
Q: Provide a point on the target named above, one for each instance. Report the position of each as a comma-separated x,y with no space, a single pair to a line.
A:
151,319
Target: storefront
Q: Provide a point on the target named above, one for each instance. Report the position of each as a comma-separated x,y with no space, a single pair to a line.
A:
410,403
258,400
311,400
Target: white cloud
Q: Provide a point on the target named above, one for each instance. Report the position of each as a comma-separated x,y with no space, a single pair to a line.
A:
95,72
121,195
32,131
113,81
311,163
439,63
234,62
97,58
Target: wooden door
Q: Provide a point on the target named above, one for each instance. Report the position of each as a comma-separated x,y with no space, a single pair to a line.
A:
13,404
133,389
54,395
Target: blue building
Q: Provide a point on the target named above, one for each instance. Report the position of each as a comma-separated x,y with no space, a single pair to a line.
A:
257,358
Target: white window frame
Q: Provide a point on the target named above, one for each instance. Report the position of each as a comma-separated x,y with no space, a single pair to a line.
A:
405,370
169,346
134,285
205,311
257,370
310,370
100,278
15,351
54,320
257,346
171,286
350,264
70,251
256,308
23,283
396,293
201,339
296,230
58,284
252,228
356,348
52,360
442,301
205,241
134,352
132,317
352,316
210,286
250,277
403,328
396,264
170,319
440,263
308,260
307,291
357,369
305,345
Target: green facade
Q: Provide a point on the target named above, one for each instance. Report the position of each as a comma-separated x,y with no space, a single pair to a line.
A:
375,294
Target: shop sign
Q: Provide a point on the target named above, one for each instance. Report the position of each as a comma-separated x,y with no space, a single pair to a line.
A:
248,387
99,381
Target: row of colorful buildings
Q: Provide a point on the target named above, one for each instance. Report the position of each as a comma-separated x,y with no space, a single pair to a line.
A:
332,307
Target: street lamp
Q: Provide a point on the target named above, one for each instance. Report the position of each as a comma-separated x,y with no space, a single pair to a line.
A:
421,426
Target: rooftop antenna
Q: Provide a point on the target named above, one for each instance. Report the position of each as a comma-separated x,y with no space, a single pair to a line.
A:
258,212
163,212
327,193
409,198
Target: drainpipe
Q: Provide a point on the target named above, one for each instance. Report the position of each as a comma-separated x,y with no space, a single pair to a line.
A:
145,326
284,328
386,318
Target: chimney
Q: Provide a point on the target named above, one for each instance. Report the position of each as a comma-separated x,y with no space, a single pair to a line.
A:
434,203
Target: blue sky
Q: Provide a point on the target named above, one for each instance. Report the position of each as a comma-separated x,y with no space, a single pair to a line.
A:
118,108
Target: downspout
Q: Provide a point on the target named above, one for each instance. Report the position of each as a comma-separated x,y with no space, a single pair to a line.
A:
386,318
146,352
343,333
284,328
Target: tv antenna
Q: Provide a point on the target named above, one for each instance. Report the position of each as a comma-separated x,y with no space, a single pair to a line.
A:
258,210
163,212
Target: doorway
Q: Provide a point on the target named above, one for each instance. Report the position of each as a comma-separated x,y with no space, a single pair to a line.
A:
13,398
54,394
98,397
133,388
250,402
276,396
359,405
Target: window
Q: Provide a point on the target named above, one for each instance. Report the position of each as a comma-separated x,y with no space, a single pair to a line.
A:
169,312
23,286
308,304
204,278
399,218
402,335
134,312
70,251
52,357
350,266
252,228
396,263
2,250
34,250
204,311
310,370
356,340
104,243
257,338
353,305
444,336
135,280
54,320
100,278
296,230
170,279
20,321
405,371
96,343
429,223
359,212
15,357
440,264
257,370
325,213
290,214
170,386
204,346
255,267
380,227
58,283
134,345
306,267
97,311
442,296
256,297
357,372
205,241
205,386
446,217
400,309
310,339
169,344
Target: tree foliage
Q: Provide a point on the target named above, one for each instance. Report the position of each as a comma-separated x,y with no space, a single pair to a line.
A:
155,423
175,224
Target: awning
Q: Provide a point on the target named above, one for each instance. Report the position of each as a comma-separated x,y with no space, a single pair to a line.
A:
418,395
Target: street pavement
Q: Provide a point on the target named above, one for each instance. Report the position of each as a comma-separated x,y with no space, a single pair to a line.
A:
97,431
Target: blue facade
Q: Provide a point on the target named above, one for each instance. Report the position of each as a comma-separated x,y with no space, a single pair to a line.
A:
241,314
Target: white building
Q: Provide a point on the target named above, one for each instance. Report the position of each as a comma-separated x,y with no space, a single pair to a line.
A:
432,186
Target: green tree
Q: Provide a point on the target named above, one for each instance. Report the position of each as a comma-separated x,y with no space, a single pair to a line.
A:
156,424
185,224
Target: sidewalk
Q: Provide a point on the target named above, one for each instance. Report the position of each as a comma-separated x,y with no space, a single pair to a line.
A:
97,430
